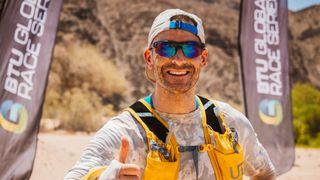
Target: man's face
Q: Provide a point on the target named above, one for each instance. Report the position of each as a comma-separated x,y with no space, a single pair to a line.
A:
177,74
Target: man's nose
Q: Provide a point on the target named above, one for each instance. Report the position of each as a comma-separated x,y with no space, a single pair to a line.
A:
179,58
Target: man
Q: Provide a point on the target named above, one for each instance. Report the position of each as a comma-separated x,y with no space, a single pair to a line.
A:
174,134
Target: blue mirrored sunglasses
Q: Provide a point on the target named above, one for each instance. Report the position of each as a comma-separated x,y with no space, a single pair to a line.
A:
190,49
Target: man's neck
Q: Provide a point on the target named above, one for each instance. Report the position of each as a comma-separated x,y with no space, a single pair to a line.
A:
174,102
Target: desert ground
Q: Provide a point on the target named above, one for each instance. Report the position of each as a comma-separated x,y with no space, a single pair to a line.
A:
58,151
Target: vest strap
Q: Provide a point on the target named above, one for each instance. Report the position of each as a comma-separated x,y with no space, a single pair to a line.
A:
152,123
212,119
195,156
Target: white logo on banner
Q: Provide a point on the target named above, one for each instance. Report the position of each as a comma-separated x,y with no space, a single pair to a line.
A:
24,57
268,67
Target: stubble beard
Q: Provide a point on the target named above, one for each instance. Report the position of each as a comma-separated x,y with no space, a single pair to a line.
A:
178,87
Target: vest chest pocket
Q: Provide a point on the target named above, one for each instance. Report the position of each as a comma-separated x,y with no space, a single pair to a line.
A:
160,166
228,156
160,170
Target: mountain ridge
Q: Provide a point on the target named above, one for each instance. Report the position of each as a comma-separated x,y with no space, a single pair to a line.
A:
119,29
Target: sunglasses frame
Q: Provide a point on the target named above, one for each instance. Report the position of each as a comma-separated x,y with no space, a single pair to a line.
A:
178,45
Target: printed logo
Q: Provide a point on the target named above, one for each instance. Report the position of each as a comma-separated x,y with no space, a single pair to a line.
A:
13,117
270,111
239,172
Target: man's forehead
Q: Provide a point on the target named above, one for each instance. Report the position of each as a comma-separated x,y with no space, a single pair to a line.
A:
176,35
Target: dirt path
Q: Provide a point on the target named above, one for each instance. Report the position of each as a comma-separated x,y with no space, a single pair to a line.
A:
57,152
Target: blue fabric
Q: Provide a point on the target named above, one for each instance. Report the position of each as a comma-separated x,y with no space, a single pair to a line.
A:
197,103
184,26
148,99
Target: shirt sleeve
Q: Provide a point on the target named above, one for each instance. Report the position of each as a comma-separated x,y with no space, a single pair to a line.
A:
104,146
256,158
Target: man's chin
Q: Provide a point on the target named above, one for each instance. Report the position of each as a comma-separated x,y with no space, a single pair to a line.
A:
178,89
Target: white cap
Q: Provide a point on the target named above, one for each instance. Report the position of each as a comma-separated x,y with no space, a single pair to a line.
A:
162,22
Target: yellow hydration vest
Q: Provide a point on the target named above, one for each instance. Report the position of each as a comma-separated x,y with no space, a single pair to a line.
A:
163,159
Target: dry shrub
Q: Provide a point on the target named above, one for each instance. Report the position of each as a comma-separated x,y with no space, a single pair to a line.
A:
79,79
84,112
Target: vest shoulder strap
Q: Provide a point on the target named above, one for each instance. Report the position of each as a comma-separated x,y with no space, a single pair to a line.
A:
154,125
212,119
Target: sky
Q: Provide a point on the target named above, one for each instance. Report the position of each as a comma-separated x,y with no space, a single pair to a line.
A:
296,5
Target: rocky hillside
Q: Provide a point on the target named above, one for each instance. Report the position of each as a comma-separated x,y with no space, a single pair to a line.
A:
119,29
304,45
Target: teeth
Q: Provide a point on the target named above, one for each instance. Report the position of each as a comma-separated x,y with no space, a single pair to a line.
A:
178,73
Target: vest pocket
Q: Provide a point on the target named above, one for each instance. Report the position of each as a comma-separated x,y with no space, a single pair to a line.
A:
230,165
159,169
228,156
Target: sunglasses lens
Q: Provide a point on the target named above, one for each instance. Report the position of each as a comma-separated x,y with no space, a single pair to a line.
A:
191,50
168,49
165,49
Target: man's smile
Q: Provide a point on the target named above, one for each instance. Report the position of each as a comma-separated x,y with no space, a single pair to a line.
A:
178,72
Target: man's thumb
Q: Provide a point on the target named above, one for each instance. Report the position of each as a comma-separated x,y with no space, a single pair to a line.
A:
124,149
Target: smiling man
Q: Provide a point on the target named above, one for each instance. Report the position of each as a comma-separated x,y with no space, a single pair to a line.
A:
173,133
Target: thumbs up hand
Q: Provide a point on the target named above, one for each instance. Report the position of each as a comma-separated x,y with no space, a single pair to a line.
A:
127,171
118,169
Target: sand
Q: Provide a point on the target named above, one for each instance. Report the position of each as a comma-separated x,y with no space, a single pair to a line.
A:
58,151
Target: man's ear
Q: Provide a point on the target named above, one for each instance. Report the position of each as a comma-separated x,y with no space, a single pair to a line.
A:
147,55
204,57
